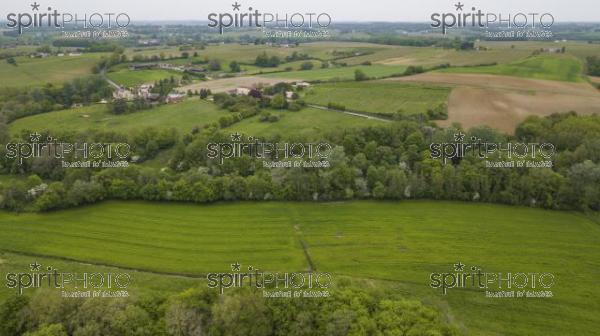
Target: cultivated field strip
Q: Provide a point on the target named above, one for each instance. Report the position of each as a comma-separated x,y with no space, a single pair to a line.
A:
398,243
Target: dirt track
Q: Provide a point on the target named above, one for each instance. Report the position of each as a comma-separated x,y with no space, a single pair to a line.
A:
502,102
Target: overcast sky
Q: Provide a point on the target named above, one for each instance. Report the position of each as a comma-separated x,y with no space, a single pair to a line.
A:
340,10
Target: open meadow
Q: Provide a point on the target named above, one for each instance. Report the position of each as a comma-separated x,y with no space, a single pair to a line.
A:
186,115
128,78
36,72
342,73
381,97
548,67
306,123
395,244
182,116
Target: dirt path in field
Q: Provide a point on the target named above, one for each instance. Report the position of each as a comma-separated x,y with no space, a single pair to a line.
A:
226,84
355,114
502,102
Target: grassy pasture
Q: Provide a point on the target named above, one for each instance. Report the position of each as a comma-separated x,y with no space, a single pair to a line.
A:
223,52
252,69
378,96
500,52
341,73
308,122
396,244
182,116
36,72
185,115
143,283
129,78
579,49
549,67
432,56
247,53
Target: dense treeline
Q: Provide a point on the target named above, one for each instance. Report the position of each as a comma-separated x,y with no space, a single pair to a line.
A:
593,65
387,162
263,60
17,103
199,312
456,43
246,106
89,45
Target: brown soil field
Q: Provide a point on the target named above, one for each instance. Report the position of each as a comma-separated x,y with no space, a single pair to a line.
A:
226,84
595,79
502,102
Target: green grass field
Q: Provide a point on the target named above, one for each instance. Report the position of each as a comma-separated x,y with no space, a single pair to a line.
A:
35,72
397,243
129,78
182,116
246,53
308,123
341,73
143,283
550,67
500,52
253,70
432,56
378,96
580,49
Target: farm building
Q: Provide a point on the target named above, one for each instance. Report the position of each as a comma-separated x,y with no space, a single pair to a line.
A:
241,91
175,97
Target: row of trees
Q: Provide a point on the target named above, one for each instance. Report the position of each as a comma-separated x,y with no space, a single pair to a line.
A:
387,162
246,106
350,310
593,65
263,60
17,103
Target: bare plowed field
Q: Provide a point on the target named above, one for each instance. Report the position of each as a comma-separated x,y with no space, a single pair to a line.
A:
502,102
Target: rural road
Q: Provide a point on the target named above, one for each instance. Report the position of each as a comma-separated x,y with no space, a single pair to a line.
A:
103,74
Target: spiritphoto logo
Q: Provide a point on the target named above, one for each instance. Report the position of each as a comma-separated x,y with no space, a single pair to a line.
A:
474,17
252,17
273,284
53,148
524,154
83,284
41,16
495,284
284,153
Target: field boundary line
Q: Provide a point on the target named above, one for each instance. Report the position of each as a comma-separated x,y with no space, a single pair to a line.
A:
40,255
